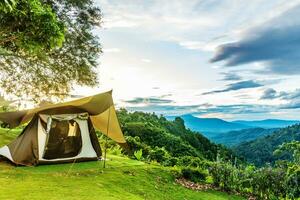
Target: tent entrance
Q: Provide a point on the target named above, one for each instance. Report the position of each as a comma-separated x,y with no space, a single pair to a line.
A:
63,140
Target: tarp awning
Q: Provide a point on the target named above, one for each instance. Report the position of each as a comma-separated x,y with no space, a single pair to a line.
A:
100,108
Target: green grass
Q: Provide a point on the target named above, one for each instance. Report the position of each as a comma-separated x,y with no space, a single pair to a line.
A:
7,135
122,179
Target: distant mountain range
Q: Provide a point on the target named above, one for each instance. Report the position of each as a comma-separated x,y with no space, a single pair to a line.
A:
268,123
211,127
235,132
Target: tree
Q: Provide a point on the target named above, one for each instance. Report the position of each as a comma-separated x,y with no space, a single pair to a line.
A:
292,147
29,26
179,122
47,46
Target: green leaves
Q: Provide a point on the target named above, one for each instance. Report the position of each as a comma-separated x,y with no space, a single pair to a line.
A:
7,5
47,47
138,154
30,27
292,147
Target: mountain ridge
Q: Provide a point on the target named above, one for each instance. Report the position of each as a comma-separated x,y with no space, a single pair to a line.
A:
212,127
209,126
268,123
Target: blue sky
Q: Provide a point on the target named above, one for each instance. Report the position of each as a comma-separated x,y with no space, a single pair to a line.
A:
231,59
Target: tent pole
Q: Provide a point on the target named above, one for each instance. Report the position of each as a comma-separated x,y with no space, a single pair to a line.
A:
105,148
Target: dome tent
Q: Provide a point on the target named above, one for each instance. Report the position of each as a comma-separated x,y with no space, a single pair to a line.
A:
62,132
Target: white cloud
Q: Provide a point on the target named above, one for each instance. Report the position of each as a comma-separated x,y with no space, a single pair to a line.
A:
217,115
111,50
194,23
146,60
118,23
180,14
198,45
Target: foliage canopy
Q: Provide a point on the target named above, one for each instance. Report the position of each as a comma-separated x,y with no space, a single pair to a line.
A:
47,46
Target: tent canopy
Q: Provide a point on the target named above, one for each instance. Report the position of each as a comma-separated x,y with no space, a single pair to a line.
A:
100,107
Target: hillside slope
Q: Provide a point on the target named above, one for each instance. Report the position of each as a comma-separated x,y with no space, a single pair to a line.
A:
122,179
260,151
232,138
150,132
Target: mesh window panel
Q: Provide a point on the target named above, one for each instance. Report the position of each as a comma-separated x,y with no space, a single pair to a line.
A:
64,140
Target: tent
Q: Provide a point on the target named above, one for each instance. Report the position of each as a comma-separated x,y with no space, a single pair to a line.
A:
62,132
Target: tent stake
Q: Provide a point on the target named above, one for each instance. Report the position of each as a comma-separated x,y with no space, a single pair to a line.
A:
106,137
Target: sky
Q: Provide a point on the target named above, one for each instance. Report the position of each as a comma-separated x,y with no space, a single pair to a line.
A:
230,59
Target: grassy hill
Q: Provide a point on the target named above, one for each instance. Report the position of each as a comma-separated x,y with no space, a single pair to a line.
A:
123,178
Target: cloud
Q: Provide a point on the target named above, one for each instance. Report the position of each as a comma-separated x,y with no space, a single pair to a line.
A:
112,50
240,109
146,60
166,109
270,93
230,76
293,98
127,13
237,86
195,25
197,45
275,43
205,109
149,100
291,105
290,96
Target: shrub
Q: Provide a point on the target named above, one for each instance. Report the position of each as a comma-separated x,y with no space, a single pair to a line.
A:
224,175
268,183
170,162
244,179
194,174
190,161
135,144
138,154
176,171
292,182
264,182
159,154
115,150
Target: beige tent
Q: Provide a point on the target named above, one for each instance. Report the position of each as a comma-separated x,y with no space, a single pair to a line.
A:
62,132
